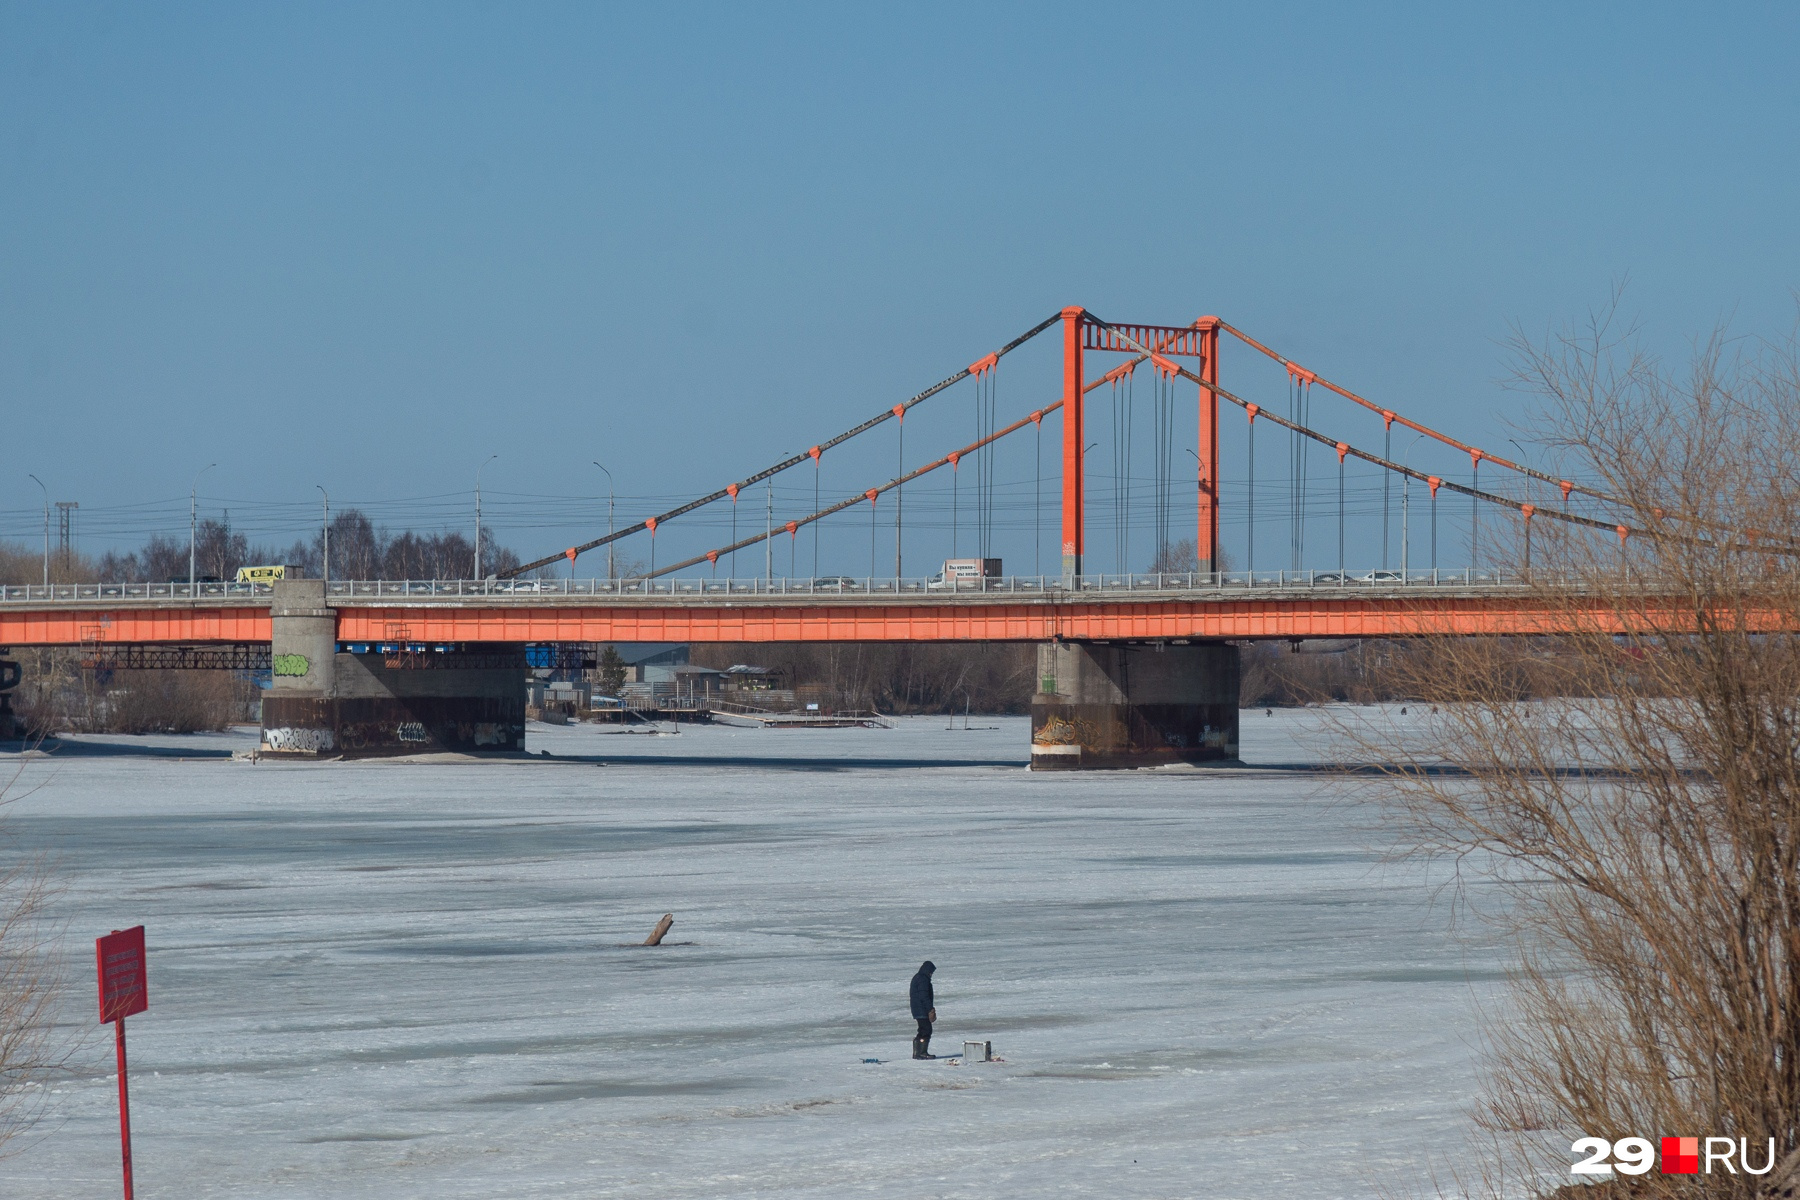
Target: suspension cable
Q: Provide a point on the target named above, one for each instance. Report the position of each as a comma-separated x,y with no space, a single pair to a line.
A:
733,489
948,460
1400,468
1250,500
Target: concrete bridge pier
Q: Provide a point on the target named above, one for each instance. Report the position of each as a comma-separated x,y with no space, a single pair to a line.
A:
1110,705
326,704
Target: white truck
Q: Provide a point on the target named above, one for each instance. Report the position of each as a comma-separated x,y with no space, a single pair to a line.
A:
964,573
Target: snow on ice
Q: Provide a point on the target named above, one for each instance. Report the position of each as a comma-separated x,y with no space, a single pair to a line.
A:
386,979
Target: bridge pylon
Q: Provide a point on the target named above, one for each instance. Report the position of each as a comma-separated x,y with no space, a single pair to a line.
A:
1107,705
392,698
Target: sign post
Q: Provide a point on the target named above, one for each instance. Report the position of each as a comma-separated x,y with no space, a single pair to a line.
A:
120,959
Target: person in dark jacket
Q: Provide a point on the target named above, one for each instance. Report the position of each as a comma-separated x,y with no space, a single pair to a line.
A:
923,1009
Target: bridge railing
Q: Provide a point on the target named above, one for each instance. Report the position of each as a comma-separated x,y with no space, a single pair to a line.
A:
843,585
836,585
826,586
134,591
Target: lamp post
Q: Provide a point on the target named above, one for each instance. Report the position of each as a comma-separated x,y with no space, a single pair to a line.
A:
1405,506
40,483
194,521
325,537
1200,487
478,471
1084,459
609,520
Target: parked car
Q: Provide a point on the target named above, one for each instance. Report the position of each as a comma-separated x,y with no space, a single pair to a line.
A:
835,583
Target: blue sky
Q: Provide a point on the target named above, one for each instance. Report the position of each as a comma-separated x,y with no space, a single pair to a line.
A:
369,245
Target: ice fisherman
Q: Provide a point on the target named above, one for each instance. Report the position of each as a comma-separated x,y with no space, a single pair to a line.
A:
923,1010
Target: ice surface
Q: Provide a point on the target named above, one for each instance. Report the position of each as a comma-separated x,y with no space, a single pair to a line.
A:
387,979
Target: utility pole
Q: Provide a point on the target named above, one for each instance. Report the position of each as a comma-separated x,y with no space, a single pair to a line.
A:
478,471
194,521
65,530
40,483
325,536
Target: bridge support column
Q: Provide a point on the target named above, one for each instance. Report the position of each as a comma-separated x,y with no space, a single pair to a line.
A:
1134,704
324,704
1074,489
1206,460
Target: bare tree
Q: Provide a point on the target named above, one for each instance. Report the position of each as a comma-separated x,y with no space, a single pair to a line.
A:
31,988
1644,830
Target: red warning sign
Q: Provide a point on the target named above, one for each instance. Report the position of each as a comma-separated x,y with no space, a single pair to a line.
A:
120,957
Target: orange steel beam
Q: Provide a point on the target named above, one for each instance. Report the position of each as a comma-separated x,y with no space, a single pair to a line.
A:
72,627
849,620
1028,621
1074,490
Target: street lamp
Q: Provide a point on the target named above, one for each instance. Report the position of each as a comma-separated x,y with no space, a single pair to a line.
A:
194,521
40,483
325,536
478,471
1199,487
1084,458
1405,505
609,521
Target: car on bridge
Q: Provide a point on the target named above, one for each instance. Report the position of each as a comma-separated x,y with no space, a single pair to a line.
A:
835,583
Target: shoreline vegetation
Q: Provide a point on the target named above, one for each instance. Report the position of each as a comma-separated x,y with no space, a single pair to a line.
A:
1651,897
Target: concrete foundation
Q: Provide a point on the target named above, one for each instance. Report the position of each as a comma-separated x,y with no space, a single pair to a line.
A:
1102,705
323,704
11,728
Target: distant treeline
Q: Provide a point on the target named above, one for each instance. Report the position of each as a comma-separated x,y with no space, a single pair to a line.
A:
999,677
896,677
359,550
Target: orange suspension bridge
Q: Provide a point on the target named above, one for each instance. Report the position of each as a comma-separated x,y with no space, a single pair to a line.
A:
1203,602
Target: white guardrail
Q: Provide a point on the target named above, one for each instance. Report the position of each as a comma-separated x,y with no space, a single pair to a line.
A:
830,585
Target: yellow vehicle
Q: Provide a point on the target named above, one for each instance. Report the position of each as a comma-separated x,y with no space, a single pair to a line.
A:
261,574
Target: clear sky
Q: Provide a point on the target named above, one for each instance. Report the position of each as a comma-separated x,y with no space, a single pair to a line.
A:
370,245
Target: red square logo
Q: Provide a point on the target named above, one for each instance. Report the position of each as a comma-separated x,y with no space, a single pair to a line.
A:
1681,1156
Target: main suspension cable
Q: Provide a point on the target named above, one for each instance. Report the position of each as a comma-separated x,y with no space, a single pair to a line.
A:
732,489
948,460
1520,506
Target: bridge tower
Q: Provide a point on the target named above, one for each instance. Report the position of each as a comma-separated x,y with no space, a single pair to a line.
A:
1101,705
1200,340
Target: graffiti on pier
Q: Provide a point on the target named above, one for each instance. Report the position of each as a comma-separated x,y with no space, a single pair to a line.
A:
412,731
1062,731
298,741
290,664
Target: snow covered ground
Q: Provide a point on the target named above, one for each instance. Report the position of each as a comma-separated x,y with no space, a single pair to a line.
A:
388,979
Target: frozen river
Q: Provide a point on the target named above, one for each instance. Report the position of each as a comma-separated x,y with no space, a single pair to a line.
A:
385,979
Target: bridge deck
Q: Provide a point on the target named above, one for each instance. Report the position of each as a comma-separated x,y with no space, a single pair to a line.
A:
477,611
